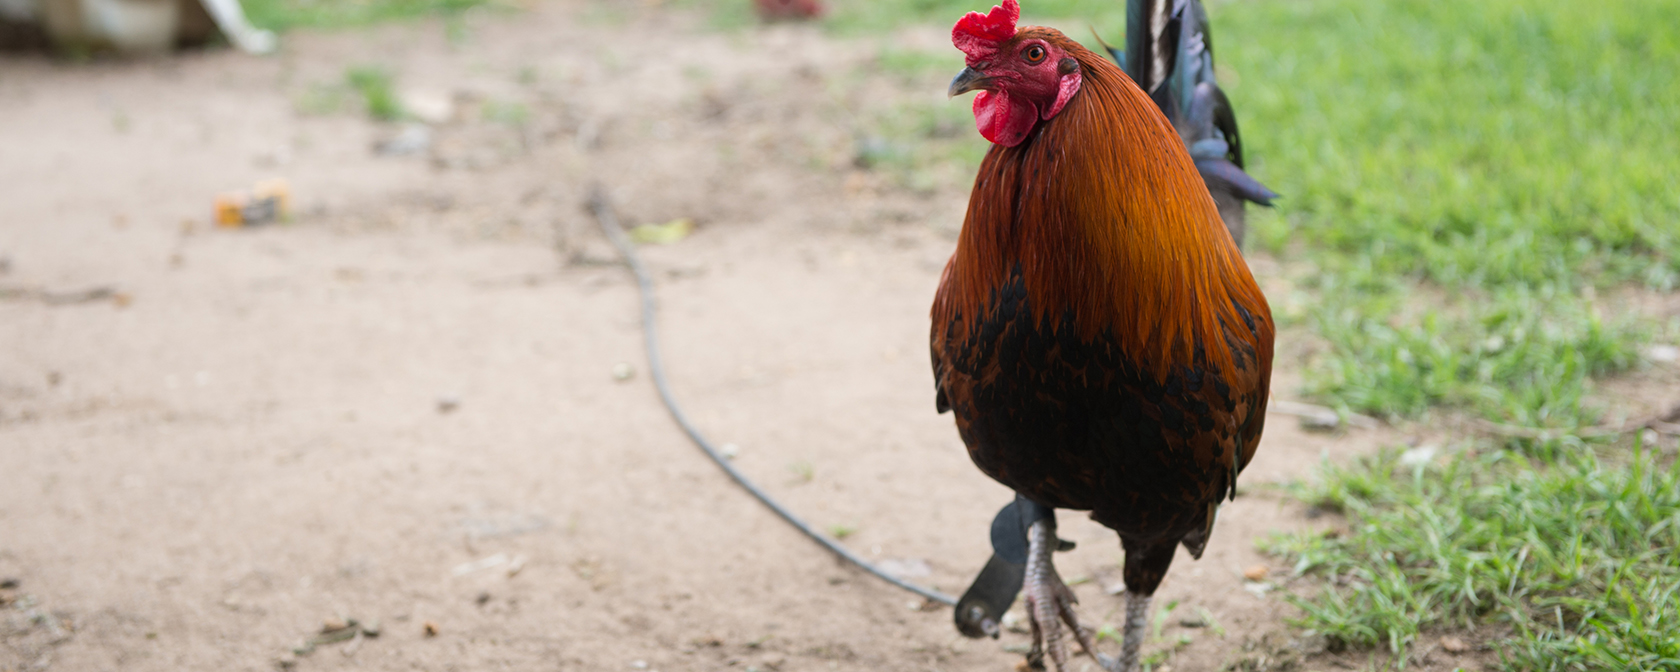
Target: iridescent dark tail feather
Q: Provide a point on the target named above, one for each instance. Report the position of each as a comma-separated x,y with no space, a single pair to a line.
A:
1169,53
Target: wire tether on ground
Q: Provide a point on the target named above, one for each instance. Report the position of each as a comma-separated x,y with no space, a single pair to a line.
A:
601,207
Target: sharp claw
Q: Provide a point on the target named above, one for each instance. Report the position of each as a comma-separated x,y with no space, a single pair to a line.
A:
1082,634
1047,627
1050,605
1035,657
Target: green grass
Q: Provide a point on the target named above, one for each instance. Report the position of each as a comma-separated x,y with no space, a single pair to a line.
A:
284,14
1470,144
1071,16
1517,355
1501,152
506,113
1579,558
320,99
375,85
1464,179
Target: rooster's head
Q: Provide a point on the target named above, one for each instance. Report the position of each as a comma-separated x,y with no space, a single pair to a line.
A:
1022,77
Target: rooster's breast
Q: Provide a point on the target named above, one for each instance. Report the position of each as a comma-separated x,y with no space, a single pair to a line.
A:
1079,423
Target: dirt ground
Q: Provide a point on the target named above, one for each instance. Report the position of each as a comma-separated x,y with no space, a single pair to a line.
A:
401,407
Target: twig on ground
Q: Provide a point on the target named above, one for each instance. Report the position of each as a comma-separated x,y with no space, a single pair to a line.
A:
1321,417
1662,422
61,298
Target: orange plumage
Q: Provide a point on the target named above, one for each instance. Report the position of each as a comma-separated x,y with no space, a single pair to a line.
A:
1114,225
1097,333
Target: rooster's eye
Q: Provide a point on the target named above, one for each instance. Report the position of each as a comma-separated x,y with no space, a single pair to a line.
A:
1034,54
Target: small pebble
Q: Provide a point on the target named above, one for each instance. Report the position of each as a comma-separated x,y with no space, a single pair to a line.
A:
429,628
332,624
1454,645
1192,622
1312,644
371,629
623,371
638,664
1419,456
448,403
482,599
1256,573
729,450
412,139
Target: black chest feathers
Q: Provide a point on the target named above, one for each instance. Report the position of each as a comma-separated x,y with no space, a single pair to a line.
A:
1080,424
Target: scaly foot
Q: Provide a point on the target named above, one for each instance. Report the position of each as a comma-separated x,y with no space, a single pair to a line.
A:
1050,604
1137,623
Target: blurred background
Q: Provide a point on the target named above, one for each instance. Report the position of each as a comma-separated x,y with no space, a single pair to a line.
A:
304,322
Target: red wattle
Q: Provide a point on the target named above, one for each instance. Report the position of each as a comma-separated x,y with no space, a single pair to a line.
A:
991,111
1002,119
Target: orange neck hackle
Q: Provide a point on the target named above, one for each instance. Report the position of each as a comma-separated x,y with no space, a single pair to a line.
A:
1104,214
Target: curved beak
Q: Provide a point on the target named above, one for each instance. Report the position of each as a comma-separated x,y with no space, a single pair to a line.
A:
968,80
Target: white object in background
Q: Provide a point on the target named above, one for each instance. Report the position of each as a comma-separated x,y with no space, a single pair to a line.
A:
134,26
1663,354
230,18
21,11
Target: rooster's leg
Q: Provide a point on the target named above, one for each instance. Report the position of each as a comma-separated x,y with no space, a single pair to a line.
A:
1146,565
1137,623
1050,603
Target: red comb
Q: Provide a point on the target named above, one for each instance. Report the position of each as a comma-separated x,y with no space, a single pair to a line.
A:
978,35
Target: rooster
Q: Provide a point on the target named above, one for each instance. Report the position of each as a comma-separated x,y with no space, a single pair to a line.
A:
1169,54
1096,333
